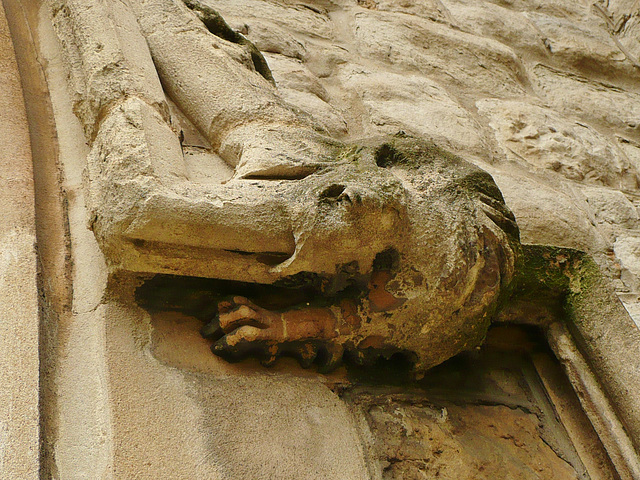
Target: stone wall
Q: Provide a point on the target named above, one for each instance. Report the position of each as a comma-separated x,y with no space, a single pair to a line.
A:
543,94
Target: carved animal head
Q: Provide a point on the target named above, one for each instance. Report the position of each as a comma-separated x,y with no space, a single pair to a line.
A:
402,193
452,245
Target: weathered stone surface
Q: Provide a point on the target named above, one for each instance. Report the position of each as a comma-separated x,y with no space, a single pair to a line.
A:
495,421
629,36
269,37
414,104
510,27
632,149
232,115
585,46
430,9
633,307
161,199
294,75
296,18
393,291
107,59
301,88
612,206
601,406
551,217
622,20
326,443
605,346
324,114
542,138
337,223
454,442
512,23
627,250
560,8
603,104
465,61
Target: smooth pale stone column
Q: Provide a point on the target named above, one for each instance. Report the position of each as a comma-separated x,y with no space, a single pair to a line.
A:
19,358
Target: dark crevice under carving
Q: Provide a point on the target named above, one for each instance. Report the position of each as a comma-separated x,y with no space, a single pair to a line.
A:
204,299
218,27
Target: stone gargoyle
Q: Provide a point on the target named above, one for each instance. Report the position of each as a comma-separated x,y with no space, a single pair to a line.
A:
409,249
405,247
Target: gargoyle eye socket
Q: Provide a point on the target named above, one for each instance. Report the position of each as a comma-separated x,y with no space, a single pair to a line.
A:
332,192
387,156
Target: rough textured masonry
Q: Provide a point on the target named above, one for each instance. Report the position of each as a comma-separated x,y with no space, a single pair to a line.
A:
278,178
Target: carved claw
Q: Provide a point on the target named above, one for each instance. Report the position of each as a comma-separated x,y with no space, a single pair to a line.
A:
244,337
240,312
222,322
212,329
244,329
221,349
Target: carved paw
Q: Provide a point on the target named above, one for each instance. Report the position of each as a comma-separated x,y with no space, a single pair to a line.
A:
242,329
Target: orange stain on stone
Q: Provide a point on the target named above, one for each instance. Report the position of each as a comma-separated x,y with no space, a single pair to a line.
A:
380,299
